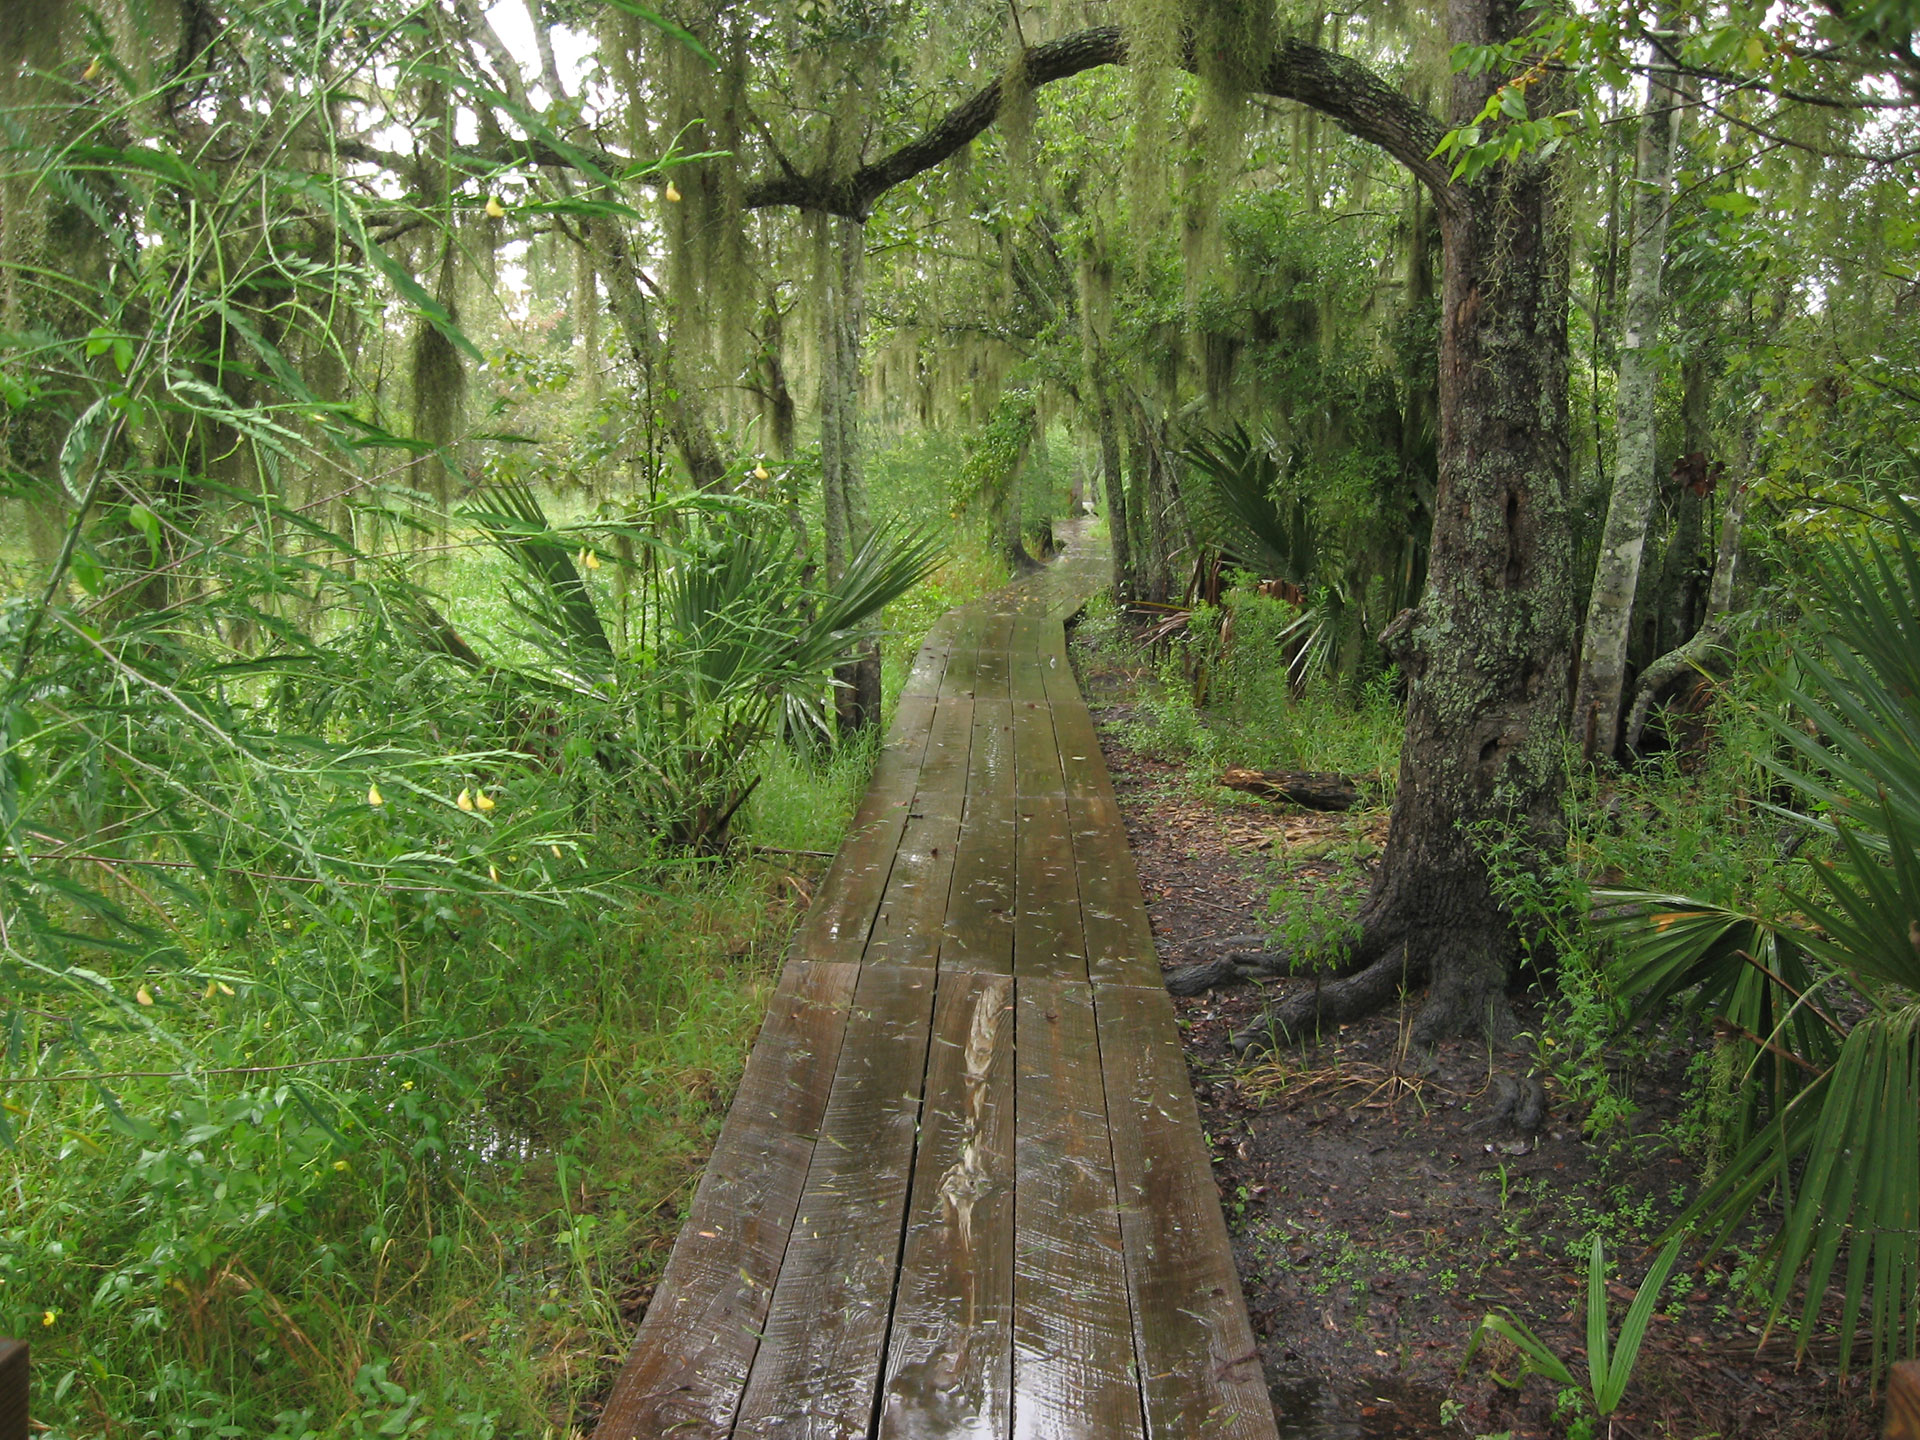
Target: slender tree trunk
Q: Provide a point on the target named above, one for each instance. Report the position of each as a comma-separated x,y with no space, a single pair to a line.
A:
1151,580
842,473
1159,498
1013,530
1113,486
1603,653
1677,597
686,421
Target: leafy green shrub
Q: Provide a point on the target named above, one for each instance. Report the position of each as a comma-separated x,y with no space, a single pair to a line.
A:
1821,992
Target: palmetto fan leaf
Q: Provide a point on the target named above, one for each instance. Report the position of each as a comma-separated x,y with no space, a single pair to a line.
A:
743,638
1239,509
1834,1125
554,596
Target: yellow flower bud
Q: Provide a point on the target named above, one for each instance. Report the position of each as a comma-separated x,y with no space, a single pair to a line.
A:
465,802
211,991
92,72
483,802
374,796
673,193
493,874
556,851
225,989
760,473
495,210
341,1166
593,561
47,1317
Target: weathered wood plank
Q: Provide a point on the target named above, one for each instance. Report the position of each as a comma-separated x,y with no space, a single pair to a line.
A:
950,1352
1113,911
963,660
980,911
1083,767
1197,1358
930,662
1040,635
1048,938
838,923
1036,751
690,1359
818,1367
979,929
990,668
1034,643
943,769
911,920
1073,1357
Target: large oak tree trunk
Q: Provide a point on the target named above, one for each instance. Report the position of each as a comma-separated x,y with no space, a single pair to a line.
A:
1487,650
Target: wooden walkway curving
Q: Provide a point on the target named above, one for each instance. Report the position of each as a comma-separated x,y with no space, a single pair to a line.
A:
962,1191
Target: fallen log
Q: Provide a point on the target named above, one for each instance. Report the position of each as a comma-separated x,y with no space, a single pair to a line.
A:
1315,790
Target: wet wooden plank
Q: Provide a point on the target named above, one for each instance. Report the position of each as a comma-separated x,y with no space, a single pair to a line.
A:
1036,751
1197,1358
930,661
943,768
690,1359
840,919
980,912
911,920
818,1368
1073,1356
1113,911
1040,635
1034,647
988,677
963,660
1048,939
979,929
1083,767
950,1351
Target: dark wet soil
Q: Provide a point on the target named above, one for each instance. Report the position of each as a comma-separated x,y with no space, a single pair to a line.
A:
1374,1215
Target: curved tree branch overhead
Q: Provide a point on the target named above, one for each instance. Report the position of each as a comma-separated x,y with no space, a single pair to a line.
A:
1347,92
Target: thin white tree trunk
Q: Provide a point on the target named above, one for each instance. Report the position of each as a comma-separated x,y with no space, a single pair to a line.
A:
1603,652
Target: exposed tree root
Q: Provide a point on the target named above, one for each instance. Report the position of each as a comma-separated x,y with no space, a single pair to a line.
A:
1302,1016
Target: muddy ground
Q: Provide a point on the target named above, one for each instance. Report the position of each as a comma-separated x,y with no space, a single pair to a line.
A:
1376,1219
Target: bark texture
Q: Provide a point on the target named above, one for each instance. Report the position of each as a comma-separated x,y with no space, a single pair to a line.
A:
1616,576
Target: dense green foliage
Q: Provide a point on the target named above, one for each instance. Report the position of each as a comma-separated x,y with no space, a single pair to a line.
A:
450,483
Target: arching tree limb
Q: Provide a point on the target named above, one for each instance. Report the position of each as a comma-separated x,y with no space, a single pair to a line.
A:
1350,94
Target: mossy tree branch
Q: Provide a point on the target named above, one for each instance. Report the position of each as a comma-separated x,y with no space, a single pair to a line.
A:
1350,94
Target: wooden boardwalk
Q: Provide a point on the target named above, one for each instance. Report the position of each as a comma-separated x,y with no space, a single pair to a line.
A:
962,1191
